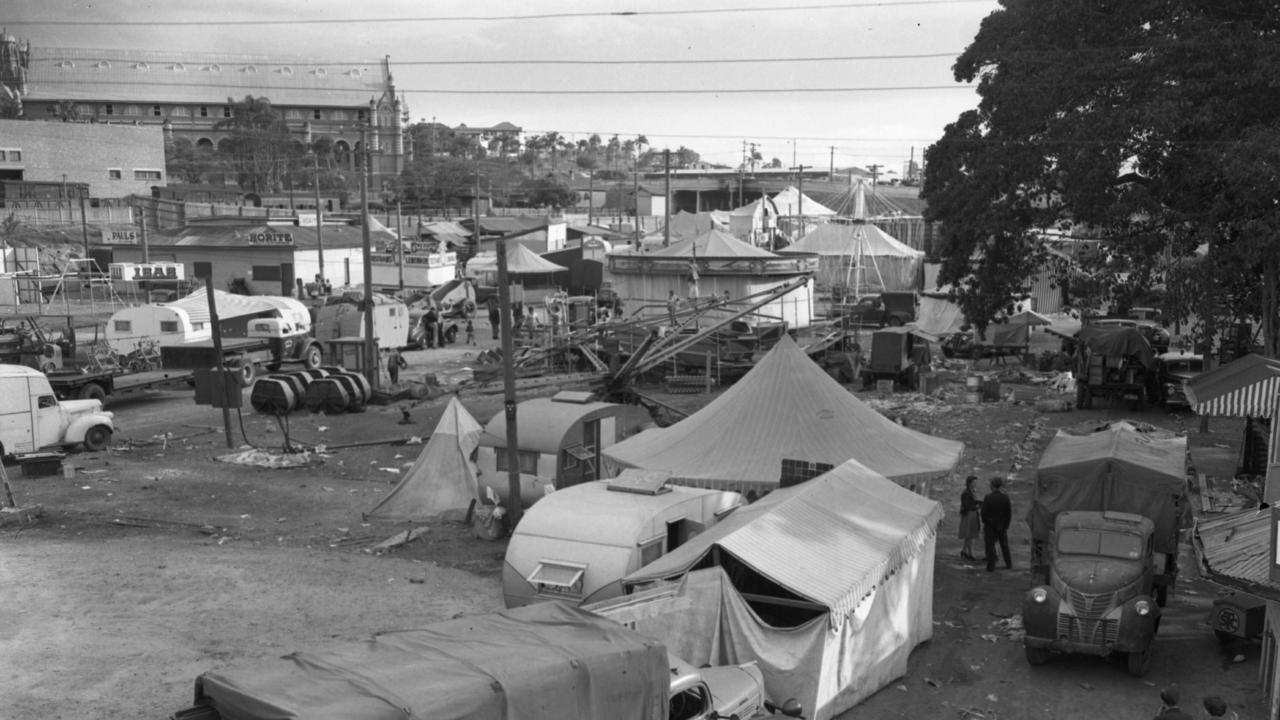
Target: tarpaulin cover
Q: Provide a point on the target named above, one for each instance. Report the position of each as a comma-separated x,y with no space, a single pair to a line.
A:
549,660
1119,468
938,316
1118,342
1006,335
785,408
442,478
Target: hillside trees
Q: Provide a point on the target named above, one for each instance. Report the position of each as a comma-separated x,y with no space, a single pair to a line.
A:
261,147
1149,125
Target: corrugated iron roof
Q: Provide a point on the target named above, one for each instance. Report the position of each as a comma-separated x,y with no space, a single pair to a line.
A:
1235,550
136,76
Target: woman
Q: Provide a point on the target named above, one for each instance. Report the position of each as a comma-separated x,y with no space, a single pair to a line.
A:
970,525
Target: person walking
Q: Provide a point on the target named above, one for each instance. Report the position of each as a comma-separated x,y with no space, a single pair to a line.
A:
970,522
471,333
495,316
997,513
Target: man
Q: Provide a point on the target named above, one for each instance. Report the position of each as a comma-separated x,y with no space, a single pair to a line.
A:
672,303
997,513
495,316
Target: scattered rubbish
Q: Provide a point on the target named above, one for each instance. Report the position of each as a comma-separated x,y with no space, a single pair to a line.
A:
401,538
1086,686
1238,659
932,683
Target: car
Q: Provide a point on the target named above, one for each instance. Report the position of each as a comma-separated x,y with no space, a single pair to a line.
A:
893,309
1173,371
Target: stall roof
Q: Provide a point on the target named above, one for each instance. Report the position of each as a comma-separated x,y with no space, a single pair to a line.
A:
1245,387
872,525
1235,550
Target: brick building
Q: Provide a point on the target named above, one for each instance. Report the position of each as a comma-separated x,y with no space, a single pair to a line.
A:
112,160
188,94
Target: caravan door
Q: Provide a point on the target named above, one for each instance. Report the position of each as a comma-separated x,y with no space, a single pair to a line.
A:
17,430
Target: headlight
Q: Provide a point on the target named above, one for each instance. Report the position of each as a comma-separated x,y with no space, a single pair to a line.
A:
1039,595
1142,607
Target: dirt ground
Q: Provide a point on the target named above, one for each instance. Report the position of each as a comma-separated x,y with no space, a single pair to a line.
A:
155,562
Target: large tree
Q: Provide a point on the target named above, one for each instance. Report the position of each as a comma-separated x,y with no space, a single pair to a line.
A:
1148,126
261,149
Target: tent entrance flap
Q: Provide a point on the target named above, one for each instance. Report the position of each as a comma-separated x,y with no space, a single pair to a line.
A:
558,575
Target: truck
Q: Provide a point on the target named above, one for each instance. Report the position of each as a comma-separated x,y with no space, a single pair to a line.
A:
271,342
899,354
548,660
1106,512
85,384
892,309
1117,363
32,417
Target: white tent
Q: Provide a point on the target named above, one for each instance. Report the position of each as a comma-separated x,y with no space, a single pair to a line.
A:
754,222
442,478
790,202
828,585
859,257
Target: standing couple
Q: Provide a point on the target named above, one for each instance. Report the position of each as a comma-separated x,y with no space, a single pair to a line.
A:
992,515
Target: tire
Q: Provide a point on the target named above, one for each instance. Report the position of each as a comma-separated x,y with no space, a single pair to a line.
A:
245,373
312,357
97,438
1140,662
895,322
468,308
1037,655
93,391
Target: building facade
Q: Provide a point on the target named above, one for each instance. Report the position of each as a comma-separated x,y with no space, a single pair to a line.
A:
189,95
114,161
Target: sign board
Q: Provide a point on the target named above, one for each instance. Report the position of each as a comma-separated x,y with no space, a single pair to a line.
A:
306,219
270,237
133,272
121,236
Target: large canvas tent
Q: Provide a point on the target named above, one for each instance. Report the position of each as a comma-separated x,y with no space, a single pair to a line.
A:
754,222
713,243
1111,469
828,585
860,258
442,478
786,419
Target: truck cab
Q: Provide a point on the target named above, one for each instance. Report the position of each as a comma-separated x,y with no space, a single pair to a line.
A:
31,417
1101,592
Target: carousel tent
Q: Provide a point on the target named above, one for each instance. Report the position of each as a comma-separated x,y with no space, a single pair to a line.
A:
785,420
862,258
839,631
712,243
442,478
793,203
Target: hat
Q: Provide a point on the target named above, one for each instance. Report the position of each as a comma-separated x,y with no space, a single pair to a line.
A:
1169,695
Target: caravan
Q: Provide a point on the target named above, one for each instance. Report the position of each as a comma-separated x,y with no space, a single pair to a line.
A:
186,320
578,543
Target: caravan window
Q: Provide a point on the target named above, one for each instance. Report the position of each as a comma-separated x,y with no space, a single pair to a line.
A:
168,326
124,326
528,461
652,550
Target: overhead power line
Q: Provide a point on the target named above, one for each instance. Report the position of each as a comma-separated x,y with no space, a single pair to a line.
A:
153,22
54,60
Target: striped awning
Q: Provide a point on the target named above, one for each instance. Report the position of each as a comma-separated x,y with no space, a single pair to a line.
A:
1246,387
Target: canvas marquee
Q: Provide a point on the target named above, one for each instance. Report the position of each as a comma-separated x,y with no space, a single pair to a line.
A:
862,258
786,412
849,558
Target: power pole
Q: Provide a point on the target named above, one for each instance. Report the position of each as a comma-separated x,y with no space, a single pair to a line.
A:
591,193
875,173
319,219
514,503
666,210
370,349
399,249
800,200
831,170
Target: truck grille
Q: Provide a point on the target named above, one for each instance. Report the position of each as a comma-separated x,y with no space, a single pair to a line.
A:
1090,607
1082,630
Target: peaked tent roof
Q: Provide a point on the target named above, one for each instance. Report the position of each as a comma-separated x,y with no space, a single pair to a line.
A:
1244,387
712,243
685,224
791,202
846,239
523,261
786,407
442,478
852,513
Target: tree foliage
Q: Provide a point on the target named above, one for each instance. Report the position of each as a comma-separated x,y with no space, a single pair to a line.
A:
261,148
1145,127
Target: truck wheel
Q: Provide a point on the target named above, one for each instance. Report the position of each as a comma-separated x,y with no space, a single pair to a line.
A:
93,391
97,438
1037,655
313,357
1140,662
895,322
244,374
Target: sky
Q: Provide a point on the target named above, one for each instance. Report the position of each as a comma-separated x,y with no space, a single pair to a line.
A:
815,82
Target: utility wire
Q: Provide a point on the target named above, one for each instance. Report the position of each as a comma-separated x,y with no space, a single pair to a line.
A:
490,18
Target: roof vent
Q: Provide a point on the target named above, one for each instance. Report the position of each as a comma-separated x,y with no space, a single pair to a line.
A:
354,72
66,64
250,69
319,72
102,65
577,397
285,71
641,482
141,66
178,67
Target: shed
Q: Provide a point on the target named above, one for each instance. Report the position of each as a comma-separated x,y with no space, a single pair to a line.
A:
561,439
577,544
